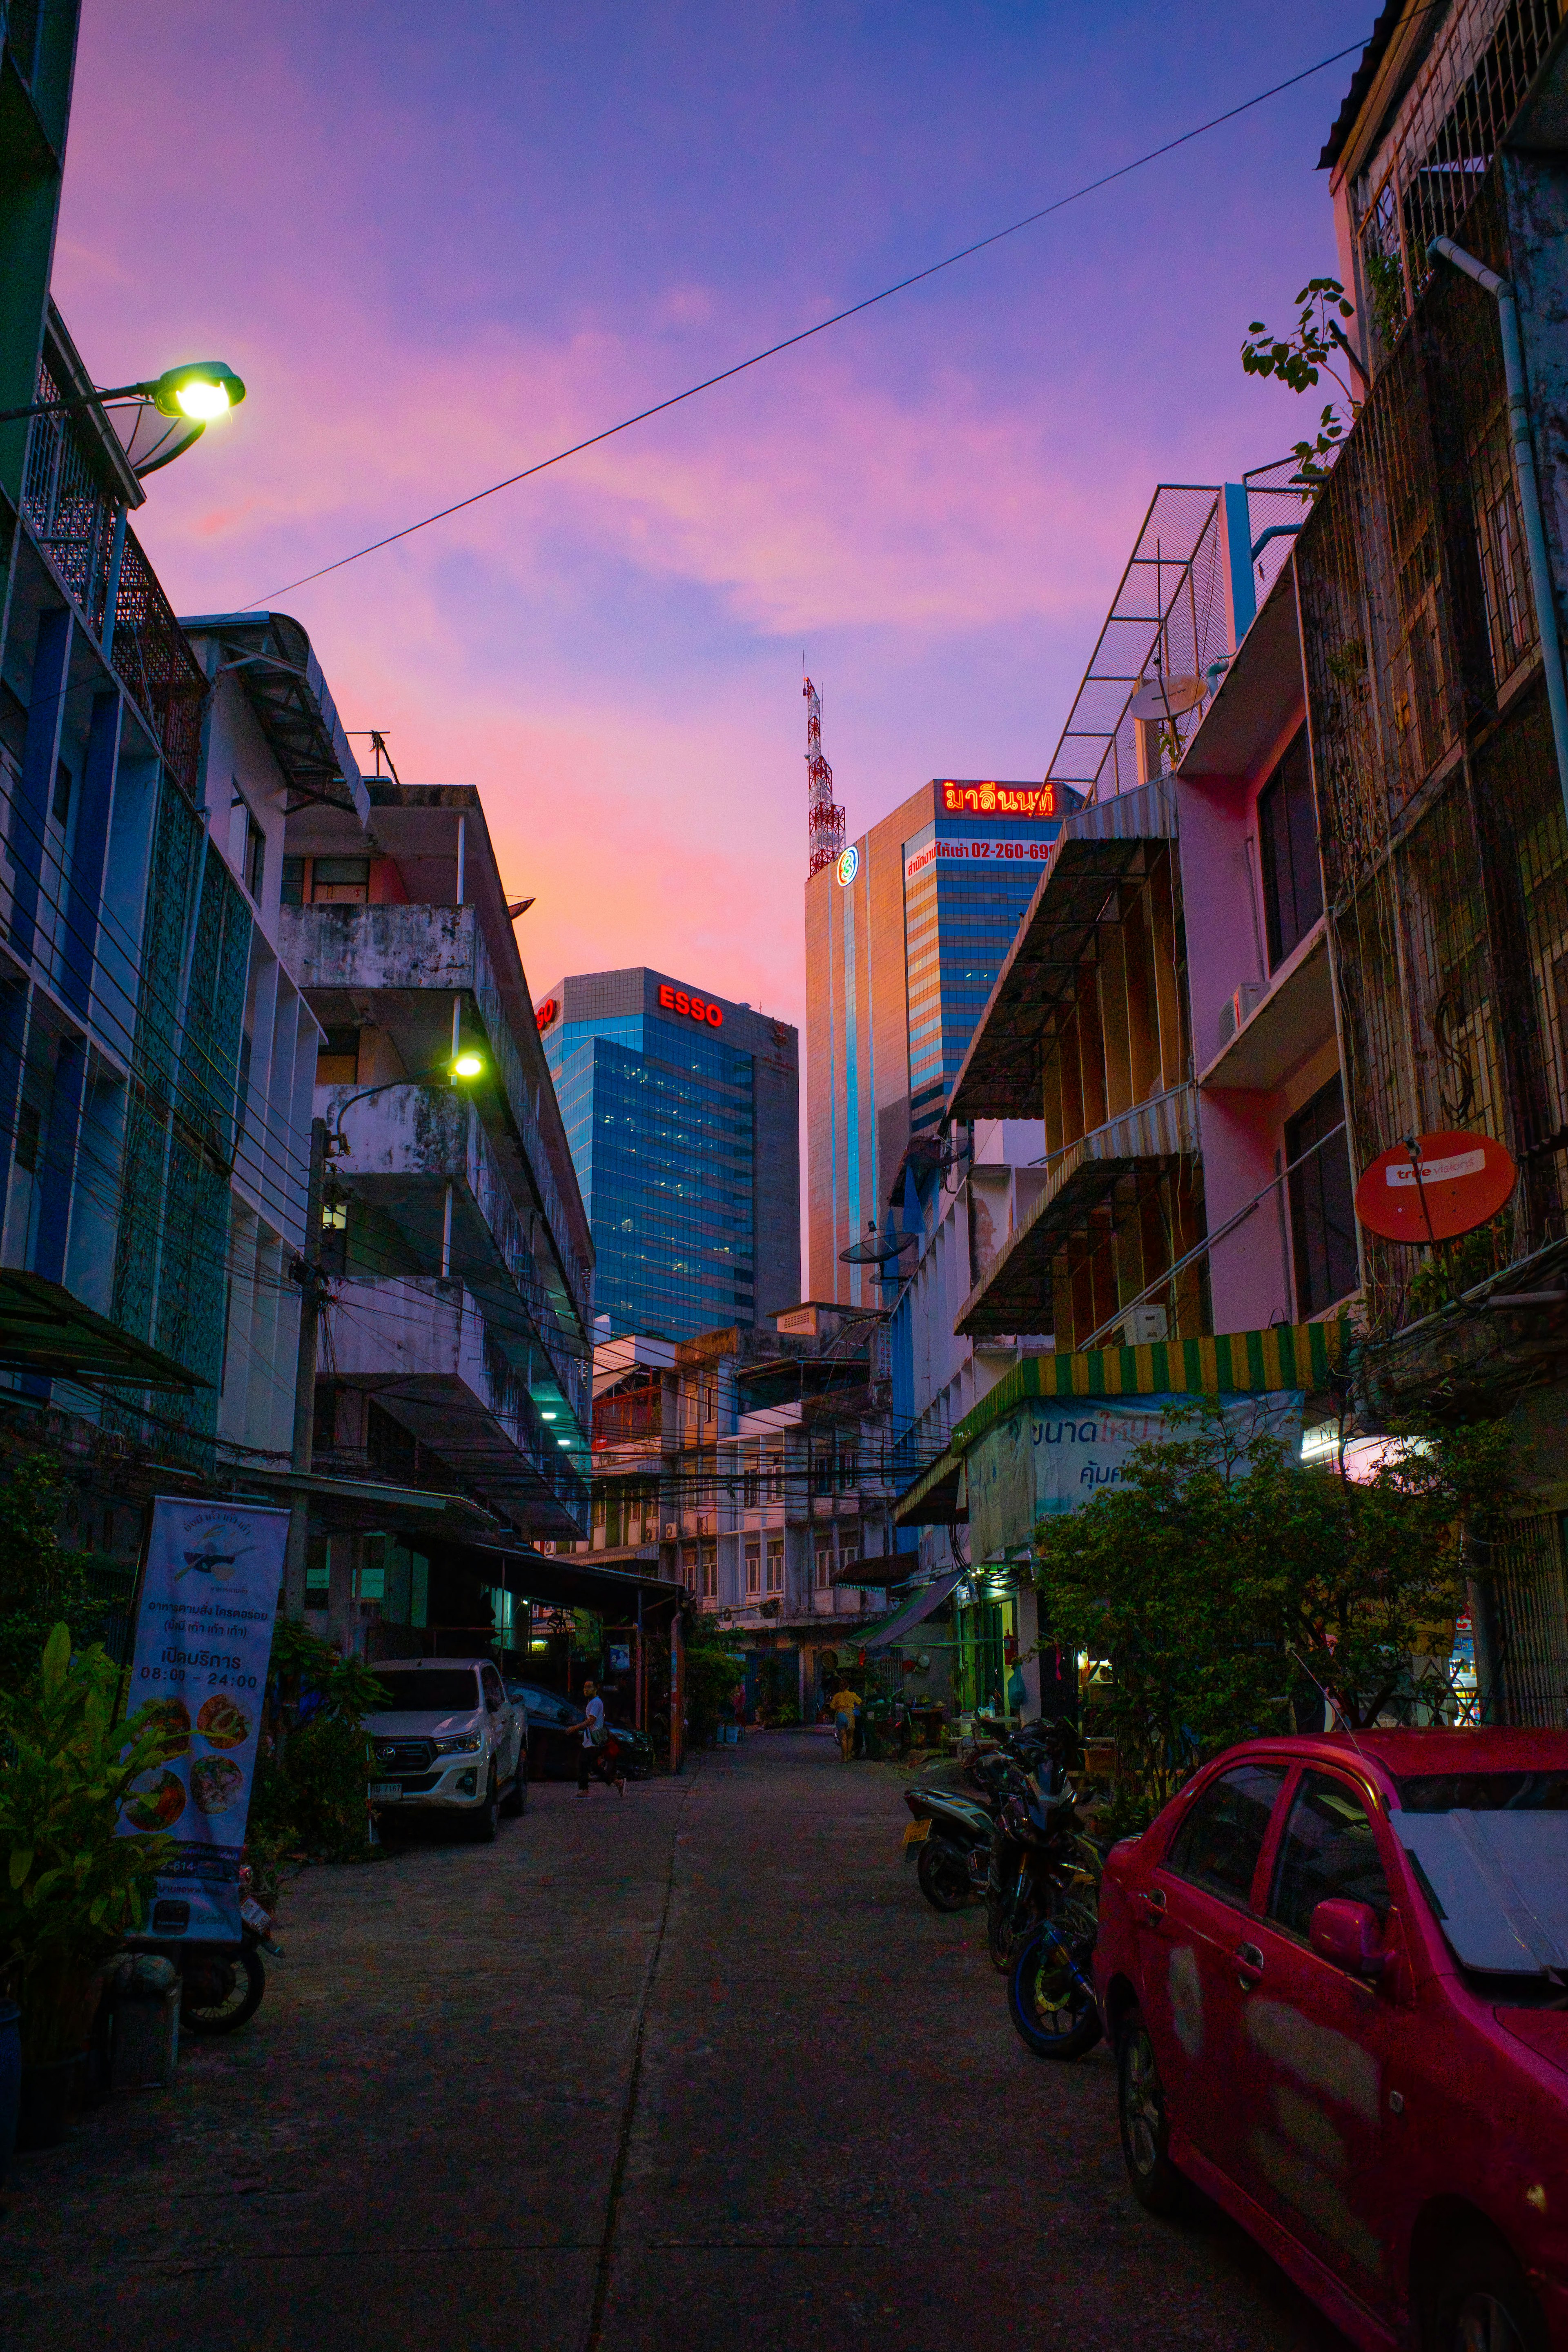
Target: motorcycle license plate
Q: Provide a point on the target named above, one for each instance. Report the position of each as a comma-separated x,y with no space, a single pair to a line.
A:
917,1834
386,1791
254,1916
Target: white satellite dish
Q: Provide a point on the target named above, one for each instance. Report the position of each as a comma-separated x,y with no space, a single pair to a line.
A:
1163,697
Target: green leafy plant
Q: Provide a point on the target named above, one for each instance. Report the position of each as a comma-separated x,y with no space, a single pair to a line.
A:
1456,1266
1313,348
308,1800
43,1583
1229,1585
72,1887
712,1675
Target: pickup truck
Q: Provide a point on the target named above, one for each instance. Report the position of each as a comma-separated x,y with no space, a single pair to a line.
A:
448,1738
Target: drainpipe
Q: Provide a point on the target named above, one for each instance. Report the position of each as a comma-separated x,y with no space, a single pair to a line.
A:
1443,249
462,859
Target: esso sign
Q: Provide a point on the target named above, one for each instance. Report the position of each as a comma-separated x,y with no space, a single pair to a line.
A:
693,1008
547,1014
1452,1183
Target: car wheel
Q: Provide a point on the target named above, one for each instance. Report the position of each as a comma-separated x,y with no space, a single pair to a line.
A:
1482,2303
1145,2127
517,1796
485,1825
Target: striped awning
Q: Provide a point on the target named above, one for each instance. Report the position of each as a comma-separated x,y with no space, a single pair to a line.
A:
1232,1363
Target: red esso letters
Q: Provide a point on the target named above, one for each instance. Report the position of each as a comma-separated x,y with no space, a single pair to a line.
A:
695,1008
545,1014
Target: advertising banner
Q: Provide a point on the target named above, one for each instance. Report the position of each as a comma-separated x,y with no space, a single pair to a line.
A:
203,1636
963,849
1059,1454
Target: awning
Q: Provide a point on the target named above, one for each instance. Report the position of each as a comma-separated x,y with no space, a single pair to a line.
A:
918,1607
45,1332
385,1504
1232,1363
936,1500
284,686
568,1579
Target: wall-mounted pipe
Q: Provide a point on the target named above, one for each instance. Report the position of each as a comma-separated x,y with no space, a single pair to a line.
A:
1275,531
1443,249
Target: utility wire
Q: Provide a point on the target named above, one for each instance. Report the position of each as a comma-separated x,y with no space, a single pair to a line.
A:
869,302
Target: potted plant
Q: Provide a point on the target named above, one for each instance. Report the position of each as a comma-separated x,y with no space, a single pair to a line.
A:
71,1885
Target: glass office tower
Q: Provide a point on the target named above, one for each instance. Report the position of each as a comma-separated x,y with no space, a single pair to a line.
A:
681,1110
904,938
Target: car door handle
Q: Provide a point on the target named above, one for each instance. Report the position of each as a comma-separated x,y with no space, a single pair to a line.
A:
1249,1965
1153,1901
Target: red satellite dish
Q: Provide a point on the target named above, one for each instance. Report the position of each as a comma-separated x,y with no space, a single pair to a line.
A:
1452,1183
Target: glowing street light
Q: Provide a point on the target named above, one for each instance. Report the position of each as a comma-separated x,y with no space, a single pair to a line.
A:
192,395
469,1066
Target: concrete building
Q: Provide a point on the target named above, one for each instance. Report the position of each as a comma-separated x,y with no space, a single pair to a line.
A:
454,1358
682,1112
904,937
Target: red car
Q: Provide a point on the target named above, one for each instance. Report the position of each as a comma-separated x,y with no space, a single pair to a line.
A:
1334,1973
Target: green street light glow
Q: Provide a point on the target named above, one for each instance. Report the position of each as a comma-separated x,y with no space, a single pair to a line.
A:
467,1066
201,390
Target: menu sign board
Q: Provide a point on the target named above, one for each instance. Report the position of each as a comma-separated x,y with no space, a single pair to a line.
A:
204,1636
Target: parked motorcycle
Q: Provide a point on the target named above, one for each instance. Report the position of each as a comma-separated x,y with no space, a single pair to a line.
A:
221,1985
1050,1988
950,1838
1034,1823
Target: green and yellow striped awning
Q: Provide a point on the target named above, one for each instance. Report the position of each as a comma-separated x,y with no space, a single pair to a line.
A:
1232,1363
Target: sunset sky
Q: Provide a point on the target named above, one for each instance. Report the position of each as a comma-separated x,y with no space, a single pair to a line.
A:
440,242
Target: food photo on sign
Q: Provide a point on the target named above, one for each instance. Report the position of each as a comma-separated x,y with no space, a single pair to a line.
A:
204,1618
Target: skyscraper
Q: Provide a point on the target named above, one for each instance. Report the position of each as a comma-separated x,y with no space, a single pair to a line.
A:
682,1113
904,938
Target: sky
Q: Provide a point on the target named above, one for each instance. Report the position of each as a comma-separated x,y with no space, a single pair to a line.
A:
440,242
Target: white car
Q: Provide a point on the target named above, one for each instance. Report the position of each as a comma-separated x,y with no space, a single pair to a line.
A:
448,1737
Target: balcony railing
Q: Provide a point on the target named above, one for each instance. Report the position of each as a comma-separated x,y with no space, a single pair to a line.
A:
82,530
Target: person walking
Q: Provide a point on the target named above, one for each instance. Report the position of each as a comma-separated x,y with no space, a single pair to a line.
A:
845,1706
592,1756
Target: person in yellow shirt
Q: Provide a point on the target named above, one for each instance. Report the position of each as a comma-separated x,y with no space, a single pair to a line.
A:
845,1706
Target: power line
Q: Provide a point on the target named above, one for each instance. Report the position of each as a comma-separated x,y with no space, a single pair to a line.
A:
900,286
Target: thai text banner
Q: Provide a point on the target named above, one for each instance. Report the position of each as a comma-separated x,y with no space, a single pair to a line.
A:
1033,800
959,849
204,1636
1057,1455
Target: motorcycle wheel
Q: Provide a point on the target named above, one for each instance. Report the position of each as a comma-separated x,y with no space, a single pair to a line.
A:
1007,1922
221,1999
943,1876
1048,1999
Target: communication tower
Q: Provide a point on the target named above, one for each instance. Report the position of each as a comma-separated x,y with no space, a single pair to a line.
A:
824,823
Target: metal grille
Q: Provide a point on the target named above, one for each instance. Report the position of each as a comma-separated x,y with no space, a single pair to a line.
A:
1530,1589
65,505
157,666
1421,182
1444,847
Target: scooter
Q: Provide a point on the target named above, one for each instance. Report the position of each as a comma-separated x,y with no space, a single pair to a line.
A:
221,1984
950,1838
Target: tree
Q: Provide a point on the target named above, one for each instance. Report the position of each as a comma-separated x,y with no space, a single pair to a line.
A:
43,1583
1231,1586
1315,347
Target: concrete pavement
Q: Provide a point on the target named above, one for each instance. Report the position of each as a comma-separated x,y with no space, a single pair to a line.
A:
694,2068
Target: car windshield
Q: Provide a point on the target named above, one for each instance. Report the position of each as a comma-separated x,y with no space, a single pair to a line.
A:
1485,1793
1497,1879
427,1690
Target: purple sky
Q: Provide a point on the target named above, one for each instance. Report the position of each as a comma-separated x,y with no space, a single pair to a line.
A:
438,243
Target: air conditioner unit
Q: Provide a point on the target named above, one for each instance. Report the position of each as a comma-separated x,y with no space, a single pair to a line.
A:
1143,1326
1240,1009
670,1530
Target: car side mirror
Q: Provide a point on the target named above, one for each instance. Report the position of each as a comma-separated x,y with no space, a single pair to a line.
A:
1349,1935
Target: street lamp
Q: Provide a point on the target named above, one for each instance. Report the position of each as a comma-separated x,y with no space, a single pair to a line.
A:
193,396
464,1066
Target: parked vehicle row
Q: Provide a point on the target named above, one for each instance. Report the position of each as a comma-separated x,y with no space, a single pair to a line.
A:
1335,1975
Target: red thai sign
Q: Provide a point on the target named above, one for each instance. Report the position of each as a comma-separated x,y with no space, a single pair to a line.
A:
966,799
1453,1183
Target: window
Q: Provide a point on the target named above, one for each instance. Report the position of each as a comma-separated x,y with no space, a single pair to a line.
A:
1288,853
1218,1845
292,889
754,1568
710,1572
823,1568
851,1555
688,1566
319,1573
340,881
775,1567
337,1058
29,1132
62,801
255,858
1322,1204
1330,1850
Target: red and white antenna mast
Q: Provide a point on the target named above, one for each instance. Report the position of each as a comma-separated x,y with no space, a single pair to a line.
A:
824,823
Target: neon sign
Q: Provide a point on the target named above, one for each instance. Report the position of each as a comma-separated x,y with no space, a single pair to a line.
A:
547,1014
1034,800
694,1008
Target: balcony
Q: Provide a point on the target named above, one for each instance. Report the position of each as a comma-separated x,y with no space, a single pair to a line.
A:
1014,1295
425,1348
1292,1019
406,1147
404,957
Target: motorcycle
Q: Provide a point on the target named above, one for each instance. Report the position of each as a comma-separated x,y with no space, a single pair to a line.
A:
221,1985
1035,1817
950,1838
1050,1988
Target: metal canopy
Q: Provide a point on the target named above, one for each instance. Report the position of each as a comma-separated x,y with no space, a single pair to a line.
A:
1000,1075
385,1503
568,1581
1015,1294
283,682
45,1331
914,1610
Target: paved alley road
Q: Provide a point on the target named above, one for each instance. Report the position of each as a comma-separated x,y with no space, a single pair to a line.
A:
692,2069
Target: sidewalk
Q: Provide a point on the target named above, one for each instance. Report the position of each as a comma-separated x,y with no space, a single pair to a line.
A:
430,2135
